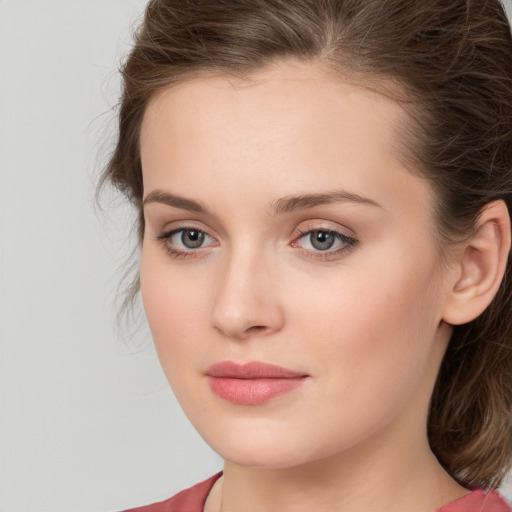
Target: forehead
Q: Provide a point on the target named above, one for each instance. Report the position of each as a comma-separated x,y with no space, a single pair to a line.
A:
289,94
289,129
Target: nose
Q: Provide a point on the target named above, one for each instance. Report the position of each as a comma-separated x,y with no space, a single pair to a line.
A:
247,302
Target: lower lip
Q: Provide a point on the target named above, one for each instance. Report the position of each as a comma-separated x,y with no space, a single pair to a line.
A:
252,391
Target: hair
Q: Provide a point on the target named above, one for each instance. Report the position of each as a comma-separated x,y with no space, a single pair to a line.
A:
450,65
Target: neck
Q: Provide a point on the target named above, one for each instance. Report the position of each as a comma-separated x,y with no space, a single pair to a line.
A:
354,482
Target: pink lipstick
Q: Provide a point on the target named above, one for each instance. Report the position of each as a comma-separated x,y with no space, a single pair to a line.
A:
253,383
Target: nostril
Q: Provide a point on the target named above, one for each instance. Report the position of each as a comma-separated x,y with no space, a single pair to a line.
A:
256,328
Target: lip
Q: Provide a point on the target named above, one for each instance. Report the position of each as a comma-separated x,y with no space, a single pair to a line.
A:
252,383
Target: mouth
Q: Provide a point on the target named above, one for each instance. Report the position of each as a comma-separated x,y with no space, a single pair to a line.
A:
253,383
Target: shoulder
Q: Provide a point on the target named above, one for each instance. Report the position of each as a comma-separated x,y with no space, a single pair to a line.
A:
189,500
478,501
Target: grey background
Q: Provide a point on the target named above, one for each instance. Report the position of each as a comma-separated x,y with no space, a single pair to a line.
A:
86,423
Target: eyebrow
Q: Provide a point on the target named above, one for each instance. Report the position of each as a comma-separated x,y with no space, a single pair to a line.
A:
283,205
303,202
159,196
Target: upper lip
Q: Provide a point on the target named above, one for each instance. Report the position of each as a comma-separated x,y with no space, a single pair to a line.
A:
251,370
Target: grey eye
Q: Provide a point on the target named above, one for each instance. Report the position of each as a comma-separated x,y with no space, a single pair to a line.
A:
192,238
322,240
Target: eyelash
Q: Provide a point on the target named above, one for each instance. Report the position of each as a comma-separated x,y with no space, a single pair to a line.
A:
177,253
348,243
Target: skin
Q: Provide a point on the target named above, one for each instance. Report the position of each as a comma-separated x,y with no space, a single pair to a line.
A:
364,323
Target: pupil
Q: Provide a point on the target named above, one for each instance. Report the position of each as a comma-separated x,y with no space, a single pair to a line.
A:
192,238
322,240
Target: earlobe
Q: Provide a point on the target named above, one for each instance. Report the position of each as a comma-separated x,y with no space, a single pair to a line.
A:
480,267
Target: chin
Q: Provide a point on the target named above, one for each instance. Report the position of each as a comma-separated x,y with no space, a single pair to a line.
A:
263,445
267,458
256,443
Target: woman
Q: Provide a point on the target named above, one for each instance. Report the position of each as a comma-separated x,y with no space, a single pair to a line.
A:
323,189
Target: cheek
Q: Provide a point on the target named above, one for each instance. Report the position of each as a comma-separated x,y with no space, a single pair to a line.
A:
370,321
369,341
175,309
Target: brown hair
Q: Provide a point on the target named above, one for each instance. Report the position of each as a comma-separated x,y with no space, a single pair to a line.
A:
452,63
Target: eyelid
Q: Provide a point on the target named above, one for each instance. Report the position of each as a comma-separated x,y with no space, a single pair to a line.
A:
171,232
172,227
322,225
166,234
349,239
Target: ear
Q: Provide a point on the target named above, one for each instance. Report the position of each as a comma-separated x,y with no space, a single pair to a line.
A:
480,266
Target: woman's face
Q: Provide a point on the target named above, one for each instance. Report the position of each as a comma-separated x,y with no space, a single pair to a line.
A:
283,231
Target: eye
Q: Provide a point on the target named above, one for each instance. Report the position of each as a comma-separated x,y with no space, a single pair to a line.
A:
324,241
185,240
189,238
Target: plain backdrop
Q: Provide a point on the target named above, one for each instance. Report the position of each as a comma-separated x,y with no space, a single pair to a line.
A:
87,421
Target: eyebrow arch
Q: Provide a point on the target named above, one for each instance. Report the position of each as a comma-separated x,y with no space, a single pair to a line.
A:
303,202
283,205
159,196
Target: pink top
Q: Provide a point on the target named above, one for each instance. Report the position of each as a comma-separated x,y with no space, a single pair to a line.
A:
193,499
